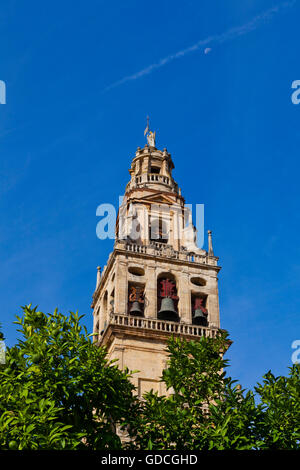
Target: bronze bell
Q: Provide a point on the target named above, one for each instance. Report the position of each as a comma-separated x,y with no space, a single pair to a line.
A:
136,309
199,317
167,310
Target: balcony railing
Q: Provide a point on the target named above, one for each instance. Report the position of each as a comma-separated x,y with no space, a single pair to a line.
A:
162,325
158,178
161,249
136,248
153,178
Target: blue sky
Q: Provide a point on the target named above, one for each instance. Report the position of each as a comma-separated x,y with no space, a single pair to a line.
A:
81,78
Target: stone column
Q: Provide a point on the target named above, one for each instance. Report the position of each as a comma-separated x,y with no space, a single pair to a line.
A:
121,287
213,310
213,299
145,226
138,167
102,314
98,276
176,230
164,168
210,246
97,320
171,229
146,164
150,293
185,310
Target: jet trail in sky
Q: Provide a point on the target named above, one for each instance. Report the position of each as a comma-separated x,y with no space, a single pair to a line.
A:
215,39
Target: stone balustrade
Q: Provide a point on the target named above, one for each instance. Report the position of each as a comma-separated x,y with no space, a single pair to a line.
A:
162,249
136,248
162,325
153,178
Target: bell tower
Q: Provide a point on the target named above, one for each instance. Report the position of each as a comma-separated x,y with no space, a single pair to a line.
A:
156,282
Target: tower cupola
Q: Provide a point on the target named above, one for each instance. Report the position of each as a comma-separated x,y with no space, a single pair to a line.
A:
157,281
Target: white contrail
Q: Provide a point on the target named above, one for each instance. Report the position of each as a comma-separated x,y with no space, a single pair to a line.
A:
217,39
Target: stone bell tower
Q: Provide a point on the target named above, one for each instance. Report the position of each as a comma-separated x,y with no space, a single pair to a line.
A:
157,282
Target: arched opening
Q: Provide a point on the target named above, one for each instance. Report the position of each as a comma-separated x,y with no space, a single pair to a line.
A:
199,311
158,230
103,313
155,170
112,302
167,298
136,299
135,235
96,332
105,304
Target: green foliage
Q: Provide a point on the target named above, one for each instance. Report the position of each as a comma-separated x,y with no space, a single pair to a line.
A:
206,410
58,391
279,427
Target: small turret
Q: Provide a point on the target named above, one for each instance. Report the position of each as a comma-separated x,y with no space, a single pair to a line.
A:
210,246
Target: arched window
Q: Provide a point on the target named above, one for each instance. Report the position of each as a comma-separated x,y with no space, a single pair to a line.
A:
96,332
136,299
105,303
158,231
167,298
199,311
155,170
112,302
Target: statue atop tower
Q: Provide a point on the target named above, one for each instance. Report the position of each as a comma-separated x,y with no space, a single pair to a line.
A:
149,134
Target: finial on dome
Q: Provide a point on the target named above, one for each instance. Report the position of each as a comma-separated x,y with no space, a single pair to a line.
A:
98,276
210,246
150,135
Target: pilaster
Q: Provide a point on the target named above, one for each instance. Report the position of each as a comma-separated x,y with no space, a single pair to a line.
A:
184,298
121,289
150,292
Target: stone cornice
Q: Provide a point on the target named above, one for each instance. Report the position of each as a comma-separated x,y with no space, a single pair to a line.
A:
155,191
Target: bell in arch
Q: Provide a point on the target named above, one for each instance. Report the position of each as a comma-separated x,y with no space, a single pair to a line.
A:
168,295
136,309
136,296
200,316
167,310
